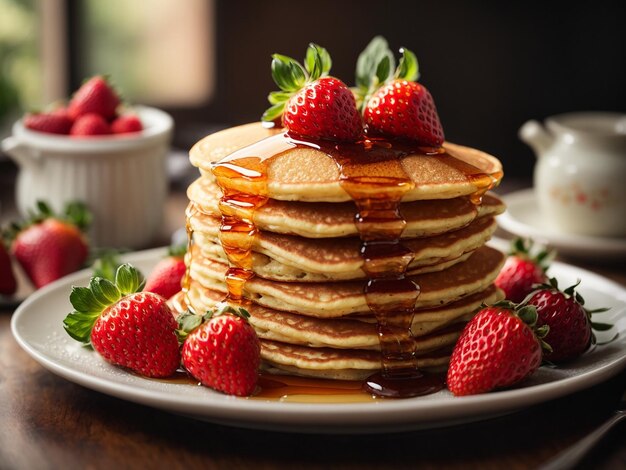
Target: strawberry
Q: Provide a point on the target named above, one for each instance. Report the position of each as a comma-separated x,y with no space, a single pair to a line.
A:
51,123
311,103
222,350
166,277
394,105
8,284
570,323
90,124
406,110
128,328
126,123
522,271
499,347
94,96
50,246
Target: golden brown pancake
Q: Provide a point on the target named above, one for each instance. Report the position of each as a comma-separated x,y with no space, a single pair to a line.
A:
336,299
290,258
331,220
432,176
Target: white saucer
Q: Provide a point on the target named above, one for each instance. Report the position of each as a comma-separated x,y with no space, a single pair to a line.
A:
523,218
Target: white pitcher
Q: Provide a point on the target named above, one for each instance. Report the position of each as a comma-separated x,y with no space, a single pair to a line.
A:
580,175
121,178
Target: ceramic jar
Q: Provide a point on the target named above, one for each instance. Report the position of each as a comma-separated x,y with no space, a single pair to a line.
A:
580,175
121,178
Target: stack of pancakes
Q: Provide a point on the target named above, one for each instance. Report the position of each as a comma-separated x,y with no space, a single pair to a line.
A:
306,295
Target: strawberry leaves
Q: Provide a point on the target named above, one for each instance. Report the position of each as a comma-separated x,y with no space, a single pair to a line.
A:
89,302
376,66
291,76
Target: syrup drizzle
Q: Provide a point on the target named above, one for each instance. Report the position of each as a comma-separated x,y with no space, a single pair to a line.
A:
372,174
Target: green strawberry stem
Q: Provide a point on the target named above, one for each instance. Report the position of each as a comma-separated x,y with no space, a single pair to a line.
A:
291,76
525,248
376,66
189,321
89,302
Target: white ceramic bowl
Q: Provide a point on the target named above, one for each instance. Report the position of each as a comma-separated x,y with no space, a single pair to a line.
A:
122,178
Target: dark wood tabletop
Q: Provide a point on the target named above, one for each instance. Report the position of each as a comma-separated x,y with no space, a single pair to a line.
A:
47,422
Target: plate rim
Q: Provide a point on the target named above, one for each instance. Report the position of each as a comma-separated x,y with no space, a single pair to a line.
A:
388,415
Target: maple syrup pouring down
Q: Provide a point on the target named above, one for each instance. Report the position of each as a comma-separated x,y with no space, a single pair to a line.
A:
380,225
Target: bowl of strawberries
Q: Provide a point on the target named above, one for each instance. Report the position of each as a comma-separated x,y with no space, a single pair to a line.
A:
96,150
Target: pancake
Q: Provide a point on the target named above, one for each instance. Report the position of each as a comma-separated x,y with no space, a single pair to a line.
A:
343,333
328,300
339,364
291,258
328,220
438,176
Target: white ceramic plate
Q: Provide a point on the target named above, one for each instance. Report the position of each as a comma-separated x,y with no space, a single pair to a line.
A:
37,327
523,218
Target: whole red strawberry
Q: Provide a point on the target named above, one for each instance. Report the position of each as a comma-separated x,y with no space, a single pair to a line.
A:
311,103
52,123
223,352
570,324
51,246
394,105
94,96
90,124
522,271
406,110
166,277
126,123
498,348
128,328
8,284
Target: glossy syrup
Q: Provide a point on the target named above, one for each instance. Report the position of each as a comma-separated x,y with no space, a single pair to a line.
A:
373,175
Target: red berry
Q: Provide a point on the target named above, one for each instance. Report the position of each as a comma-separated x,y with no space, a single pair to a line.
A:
136,330
224,354
49,249
8,284
126,123
89,125
496,349
51,123
406,110
522,271
166,277
324,109
94,96
570,327
518,276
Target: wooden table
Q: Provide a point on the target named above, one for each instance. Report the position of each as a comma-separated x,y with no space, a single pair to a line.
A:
47,422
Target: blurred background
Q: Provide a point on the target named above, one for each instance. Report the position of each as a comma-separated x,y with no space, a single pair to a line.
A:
490,65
